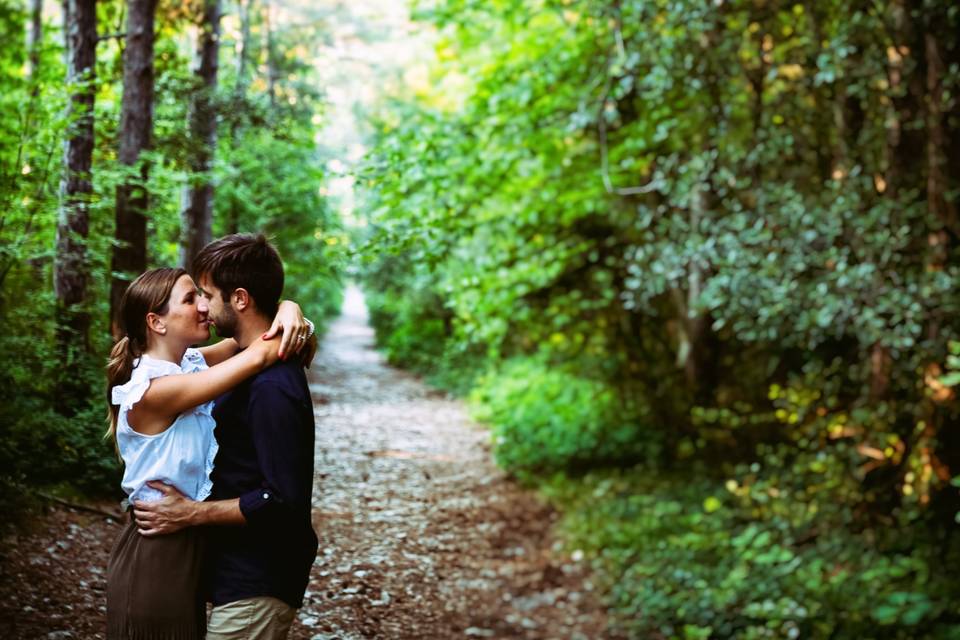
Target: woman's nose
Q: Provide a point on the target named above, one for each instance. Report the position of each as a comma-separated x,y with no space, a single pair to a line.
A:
202,305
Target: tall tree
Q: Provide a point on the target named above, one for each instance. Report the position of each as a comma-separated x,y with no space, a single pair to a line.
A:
244,7
70,264
197,213
34,41
136,129
271,60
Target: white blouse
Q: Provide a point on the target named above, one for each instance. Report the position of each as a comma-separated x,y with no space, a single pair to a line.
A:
182,455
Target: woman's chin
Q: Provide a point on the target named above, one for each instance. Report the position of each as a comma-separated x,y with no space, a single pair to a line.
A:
203,335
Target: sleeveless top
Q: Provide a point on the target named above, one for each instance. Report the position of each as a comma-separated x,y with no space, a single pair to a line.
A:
182,455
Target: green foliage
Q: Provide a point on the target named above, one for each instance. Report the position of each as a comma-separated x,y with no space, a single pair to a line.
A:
412,324
39,445
732,227
548,419
684,566
269,182
414,335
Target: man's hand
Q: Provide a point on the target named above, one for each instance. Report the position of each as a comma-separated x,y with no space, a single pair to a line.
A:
170,514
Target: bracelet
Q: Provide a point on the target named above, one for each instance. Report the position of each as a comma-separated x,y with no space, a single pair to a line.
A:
309,324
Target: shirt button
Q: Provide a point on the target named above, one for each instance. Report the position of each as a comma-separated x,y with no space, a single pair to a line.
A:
266,496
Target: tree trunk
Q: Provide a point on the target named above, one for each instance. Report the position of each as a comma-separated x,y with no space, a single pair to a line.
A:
34,42
694,352
939,204
246,10
73,225
905,135
136,126
75,187
271,67
197,214
243,55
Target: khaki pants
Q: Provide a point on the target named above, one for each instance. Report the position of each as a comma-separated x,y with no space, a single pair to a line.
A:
262,618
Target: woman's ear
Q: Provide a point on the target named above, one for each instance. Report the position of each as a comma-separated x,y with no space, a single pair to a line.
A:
241,299
156,324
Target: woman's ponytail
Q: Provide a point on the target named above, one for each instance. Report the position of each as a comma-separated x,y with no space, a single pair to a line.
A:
122,358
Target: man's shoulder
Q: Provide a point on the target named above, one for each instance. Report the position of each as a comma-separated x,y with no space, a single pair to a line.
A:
288,375
280,387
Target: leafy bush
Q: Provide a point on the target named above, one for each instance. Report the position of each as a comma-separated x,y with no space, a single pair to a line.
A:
39,445
681,565
544,418
410,330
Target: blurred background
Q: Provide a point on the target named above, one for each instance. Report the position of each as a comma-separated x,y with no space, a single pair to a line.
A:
694,261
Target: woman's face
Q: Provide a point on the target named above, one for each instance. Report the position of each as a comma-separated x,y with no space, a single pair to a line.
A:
186,317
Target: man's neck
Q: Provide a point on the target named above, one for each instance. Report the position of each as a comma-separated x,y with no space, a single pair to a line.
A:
250,329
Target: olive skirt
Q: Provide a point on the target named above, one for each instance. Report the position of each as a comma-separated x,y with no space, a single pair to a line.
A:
153,586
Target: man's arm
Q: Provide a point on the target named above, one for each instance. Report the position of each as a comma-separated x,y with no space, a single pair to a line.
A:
175,511
279,438
282,441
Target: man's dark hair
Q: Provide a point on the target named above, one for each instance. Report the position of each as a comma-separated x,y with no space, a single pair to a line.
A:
243,261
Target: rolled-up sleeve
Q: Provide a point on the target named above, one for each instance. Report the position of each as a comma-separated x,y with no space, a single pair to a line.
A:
276,428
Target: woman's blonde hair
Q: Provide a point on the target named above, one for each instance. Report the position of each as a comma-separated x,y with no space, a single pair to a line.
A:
149,293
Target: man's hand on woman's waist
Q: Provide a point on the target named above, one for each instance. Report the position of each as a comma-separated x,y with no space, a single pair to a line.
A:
175,511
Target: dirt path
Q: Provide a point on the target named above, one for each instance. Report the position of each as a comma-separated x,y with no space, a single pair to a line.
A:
420,535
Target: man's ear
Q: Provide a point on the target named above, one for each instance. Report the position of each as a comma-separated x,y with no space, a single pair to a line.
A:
241,299
156,324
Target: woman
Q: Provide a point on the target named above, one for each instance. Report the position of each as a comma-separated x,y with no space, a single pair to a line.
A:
161,395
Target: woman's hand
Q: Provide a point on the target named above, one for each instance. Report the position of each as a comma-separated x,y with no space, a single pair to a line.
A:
290,323
269,350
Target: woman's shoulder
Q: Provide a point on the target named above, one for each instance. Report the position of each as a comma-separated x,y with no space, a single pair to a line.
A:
144,370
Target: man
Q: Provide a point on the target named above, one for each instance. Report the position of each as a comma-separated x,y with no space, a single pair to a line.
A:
261,544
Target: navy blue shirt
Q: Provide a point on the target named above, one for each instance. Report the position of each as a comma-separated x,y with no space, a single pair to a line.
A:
265,429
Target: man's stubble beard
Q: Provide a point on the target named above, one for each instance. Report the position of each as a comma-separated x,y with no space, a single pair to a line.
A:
226,322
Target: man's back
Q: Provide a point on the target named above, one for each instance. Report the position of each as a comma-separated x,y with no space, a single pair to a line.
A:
265,429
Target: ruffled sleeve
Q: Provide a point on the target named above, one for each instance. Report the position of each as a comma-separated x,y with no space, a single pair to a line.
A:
128,394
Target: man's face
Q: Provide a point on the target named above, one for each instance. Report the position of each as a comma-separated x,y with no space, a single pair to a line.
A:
220,313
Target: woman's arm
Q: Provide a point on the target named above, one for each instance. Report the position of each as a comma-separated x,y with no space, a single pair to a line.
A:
169,396
289,321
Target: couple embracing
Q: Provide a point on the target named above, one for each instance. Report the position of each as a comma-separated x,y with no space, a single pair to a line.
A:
217,446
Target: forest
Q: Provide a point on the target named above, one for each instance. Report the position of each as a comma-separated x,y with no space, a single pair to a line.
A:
696,265
693,262
131,134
